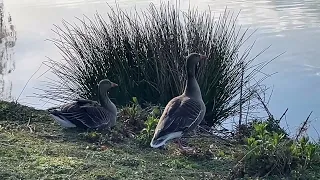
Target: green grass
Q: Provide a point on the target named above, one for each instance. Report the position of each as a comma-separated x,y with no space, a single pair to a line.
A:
32,146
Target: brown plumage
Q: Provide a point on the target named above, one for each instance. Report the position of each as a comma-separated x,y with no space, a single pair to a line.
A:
85,113
183,113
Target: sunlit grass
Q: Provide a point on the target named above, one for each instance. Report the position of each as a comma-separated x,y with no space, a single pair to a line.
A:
40,149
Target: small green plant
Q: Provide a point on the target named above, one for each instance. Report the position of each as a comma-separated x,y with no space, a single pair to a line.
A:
271,125
133,116
91,136
146,134
263,151
221,153
133,109
141,121
270,153
305,151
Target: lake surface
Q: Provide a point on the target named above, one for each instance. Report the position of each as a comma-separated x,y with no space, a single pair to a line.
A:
290,26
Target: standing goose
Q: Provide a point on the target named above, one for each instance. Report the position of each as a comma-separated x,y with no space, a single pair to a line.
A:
182,113
85,113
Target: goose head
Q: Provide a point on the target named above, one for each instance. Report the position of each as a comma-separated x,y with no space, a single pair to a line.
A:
105,84
192,60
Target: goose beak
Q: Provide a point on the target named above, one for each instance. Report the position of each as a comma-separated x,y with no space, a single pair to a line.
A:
114,85
203,57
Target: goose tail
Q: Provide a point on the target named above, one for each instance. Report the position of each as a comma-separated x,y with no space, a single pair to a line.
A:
157,142
54,113
63,122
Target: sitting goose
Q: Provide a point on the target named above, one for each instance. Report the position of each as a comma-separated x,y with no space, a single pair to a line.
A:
85,113
182,113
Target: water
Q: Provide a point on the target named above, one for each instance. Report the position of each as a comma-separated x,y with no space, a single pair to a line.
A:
291,26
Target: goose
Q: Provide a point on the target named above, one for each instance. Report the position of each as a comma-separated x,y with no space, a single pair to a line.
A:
84,113
183,113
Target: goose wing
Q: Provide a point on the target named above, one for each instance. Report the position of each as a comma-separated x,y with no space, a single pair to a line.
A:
84,114
82,102
179,115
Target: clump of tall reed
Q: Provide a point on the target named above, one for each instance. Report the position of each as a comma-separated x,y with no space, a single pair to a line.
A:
145,54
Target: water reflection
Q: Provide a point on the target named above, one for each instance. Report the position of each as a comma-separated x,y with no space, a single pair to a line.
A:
8,37
302,14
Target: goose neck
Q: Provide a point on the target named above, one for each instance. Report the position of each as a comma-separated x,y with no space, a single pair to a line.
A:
103,97
192,88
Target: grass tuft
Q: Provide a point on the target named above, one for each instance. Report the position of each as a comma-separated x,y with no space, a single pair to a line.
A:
145,53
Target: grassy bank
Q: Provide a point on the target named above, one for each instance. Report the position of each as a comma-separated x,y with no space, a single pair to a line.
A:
32,146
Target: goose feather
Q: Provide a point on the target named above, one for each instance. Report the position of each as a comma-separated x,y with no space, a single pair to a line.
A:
182,113
85,113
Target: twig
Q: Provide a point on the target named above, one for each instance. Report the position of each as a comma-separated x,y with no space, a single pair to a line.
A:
285,112
240,104
316,132
28,83
270,96
288,128
247,114
264,106
303,127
